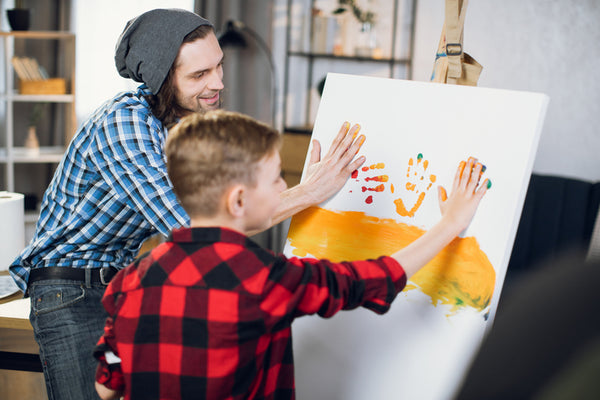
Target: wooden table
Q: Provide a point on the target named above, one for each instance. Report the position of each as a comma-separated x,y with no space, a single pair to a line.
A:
18,349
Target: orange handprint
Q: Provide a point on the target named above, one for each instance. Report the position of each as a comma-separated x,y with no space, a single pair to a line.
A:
416,183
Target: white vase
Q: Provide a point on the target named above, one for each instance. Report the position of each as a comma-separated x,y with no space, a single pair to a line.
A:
32,144
366,42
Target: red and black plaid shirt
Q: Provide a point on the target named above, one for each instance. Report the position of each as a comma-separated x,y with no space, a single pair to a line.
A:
208,315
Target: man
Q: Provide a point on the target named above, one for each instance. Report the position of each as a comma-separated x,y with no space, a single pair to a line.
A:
111,190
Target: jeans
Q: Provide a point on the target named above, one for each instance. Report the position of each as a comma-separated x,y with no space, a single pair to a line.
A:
68,319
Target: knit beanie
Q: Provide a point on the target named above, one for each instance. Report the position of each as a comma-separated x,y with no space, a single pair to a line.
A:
150,43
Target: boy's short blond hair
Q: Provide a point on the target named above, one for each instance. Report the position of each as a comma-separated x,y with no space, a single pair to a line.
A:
211,151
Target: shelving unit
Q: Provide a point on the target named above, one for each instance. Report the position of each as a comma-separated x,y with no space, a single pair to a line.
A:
59,123
305,68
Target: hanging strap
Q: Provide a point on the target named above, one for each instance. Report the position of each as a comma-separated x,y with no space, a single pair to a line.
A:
452,64
455,22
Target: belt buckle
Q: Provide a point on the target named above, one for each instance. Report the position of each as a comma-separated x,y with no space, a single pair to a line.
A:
102,280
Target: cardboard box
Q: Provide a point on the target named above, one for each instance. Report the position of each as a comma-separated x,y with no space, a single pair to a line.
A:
46,86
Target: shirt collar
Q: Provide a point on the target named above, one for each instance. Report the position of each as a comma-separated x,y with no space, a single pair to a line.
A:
210,234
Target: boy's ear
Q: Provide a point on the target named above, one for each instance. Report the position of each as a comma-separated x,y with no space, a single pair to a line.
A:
235,201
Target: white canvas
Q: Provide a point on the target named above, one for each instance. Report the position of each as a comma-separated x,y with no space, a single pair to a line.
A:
422,347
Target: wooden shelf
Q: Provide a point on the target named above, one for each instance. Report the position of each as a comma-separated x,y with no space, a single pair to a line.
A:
348,58
39,34
50,154
36,98
61,123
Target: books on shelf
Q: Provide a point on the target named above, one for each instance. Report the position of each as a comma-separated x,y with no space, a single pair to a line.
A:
28,69
33,78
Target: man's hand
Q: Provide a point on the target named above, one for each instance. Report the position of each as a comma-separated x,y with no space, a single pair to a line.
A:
326,175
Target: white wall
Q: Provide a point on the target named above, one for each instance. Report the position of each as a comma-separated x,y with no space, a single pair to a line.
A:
534,45
98,28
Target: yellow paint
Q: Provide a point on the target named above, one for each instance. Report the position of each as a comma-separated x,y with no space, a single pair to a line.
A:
461,275
401,209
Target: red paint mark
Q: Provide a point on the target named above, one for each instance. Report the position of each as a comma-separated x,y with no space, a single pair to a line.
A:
355,174
378,188
369,200
380,178
365,168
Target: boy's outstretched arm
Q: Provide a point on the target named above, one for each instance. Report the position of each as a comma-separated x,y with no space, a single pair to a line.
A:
325,175
457,211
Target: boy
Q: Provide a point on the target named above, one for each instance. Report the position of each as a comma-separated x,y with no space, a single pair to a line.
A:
208,313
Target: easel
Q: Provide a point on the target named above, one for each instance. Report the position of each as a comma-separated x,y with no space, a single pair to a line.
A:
452,65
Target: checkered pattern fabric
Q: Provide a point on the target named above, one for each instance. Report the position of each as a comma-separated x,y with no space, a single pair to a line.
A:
109,193
207,315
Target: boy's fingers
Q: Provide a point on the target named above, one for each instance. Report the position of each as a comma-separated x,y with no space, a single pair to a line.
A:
442,194
475,175
458,176
484,187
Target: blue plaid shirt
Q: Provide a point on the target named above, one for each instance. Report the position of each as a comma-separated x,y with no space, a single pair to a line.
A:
109,193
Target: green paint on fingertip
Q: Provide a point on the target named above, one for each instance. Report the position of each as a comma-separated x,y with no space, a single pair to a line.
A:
489,184
420,156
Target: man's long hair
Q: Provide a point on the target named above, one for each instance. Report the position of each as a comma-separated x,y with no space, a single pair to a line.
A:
164,104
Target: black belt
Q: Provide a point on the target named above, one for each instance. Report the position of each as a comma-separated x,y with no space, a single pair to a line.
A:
98,275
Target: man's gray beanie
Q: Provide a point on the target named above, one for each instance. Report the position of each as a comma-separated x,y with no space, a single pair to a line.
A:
150,42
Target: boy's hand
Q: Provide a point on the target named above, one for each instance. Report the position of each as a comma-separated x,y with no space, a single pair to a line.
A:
325,176
460,207
107,394
457,211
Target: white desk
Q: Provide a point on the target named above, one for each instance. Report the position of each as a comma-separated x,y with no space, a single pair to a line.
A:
18,348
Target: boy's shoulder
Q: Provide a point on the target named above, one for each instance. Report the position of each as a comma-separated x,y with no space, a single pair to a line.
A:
232,263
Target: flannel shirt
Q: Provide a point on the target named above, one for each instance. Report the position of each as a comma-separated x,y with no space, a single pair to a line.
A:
110,192
207,315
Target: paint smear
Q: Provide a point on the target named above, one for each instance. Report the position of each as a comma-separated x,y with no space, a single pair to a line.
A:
461,275
401,209
378,188
380,178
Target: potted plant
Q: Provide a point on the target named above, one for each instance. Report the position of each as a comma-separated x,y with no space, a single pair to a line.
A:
366,44
18,17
